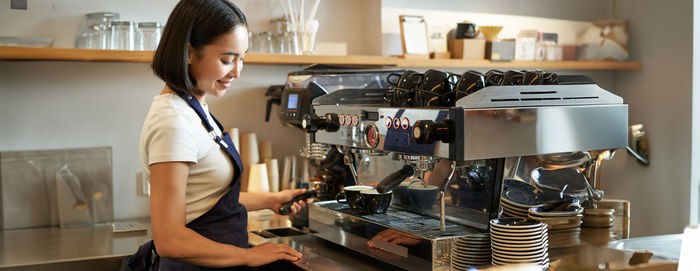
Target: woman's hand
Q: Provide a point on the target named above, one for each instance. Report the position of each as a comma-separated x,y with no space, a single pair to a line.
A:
269,252
284,196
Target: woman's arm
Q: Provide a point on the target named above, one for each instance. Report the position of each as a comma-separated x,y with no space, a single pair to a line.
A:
254,201
173,240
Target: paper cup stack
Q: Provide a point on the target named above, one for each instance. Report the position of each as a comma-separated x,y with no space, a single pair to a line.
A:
519,240
470,251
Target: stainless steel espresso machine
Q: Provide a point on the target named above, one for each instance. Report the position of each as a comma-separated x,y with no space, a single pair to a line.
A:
463,134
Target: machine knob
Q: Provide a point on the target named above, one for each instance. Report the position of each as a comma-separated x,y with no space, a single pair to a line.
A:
427,131
328,123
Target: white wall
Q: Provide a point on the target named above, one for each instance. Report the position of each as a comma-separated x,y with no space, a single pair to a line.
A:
660,97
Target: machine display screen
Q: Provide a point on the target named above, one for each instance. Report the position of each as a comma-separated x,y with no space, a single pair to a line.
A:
292,101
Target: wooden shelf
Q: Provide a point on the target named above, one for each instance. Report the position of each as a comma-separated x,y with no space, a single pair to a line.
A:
70,54
547,65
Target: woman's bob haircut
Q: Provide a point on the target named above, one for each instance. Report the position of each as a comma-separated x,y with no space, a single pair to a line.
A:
195,23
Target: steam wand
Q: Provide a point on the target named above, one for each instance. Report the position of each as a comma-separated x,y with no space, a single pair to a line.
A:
453,167
347,160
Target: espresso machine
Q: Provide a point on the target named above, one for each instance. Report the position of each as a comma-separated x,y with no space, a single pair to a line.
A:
464,134
295,101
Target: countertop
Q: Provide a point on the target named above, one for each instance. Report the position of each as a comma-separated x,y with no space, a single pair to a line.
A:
61,248
41,246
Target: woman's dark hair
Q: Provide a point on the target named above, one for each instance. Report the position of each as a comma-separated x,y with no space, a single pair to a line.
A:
196,23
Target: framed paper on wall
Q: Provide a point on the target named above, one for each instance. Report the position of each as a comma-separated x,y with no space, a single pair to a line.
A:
414,36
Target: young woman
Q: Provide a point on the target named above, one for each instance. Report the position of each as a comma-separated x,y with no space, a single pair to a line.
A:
198,214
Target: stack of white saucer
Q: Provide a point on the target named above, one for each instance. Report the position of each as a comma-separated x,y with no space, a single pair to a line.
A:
471,250
518,240
564,227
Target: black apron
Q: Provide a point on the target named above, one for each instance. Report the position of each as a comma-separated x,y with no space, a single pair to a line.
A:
226,222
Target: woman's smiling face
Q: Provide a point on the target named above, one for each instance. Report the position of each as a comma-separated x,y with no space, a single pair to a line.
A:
216,65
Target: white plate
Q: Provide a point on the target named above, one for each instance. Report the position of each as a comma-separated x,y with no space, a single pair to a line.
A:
510,207
506,238
502,230
506,246
528,254
471,263
465,259
543,263
543,259
516,232
516,223
518,247
473,243
507,213
462,267
480,252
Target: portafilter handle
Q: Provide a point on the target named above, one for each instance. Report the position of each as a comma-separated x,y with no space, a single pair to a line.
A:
394,179
286,208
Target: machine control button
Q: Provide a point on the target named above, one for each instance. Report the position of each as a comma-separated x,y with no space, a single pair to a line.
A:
404,123
355,120
387,122
341,120
397,123
347,120
427,131
371,136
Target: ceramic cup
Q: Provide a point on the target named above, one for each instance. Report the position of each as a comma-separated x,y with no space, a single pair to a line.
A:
401,194
373,202
350,195
422,197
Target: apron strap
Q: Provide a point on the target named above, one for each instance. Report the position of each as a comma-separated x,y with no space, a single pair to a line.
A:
225,141
146,258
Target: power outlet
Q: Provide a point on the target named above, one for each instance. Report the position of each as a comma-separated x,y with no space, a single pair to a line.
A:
143,187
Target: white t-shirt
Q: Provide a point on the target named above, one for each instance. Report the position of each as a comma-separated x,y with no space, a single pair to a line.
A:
172,132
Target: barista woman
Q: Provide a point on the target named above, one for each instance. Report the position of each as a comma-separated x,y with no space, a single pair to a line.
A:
198,214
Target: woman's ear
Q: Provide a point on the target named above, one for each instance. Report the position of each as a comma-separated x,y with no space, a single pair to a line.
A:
190,51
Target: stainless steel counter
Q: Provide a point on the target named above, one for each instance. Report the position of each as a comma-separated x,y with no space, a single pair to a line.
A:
42,246
99,248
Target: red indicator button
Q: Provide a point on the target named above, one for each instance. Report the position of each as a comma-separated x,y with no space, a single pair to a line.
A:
404,124
355,120
347,120
397,123
341,120
387,122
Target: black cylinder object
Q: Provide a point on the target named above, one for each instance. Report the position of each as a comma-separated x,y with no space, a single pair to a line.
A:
313,123
394,179
427,131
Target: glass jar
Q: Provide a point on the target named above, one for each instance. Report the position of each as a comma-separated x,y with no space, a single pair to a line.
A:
122,35
148,36
94,31
264,42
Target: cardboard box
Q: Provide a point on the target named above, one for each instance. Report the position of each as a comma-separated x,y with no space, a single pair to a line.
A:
502,50
569,52
439,55
467,48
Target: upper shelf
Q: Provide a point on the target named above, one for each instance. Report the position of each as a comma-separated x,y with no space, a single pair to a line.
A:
70,54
